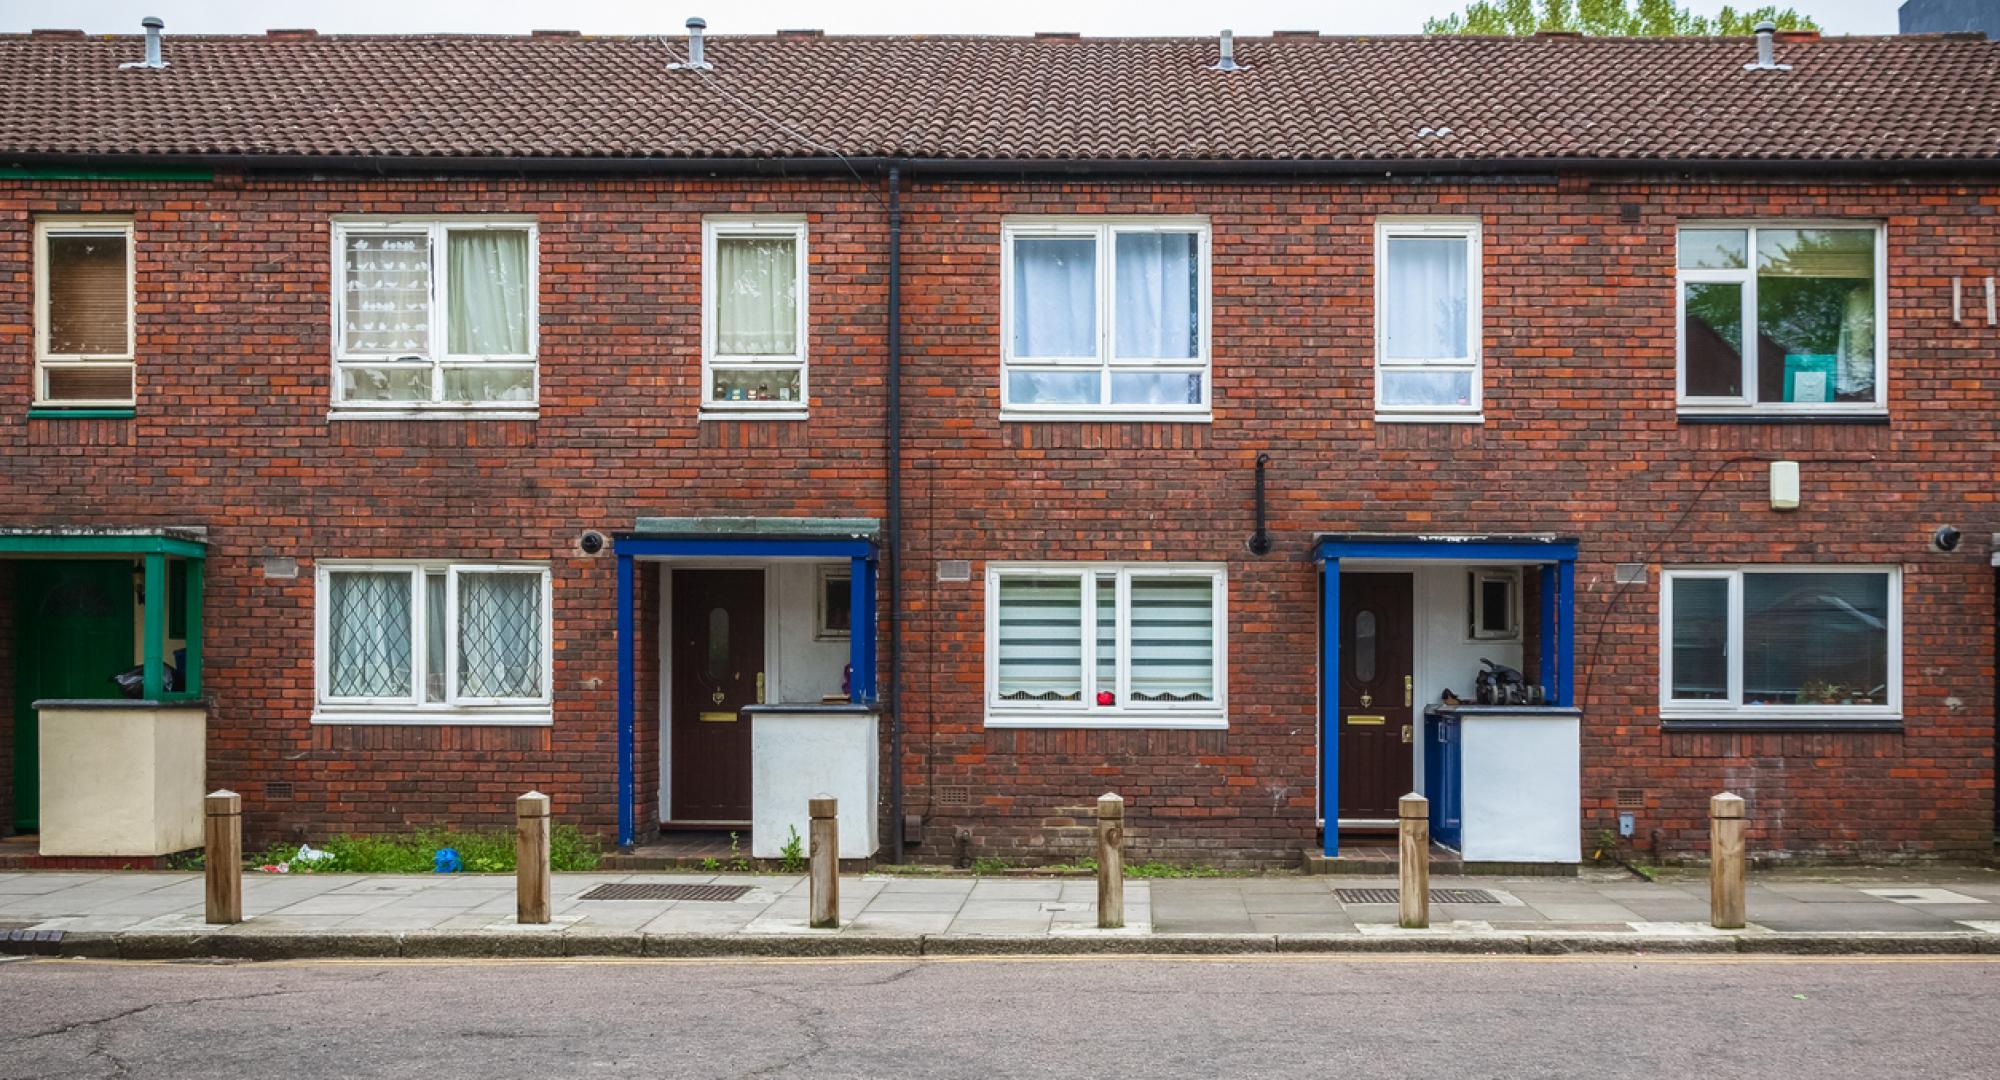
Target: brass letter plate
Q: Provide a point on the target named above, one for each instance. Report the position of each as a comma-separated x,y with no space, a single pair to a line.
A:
718,718
1369,721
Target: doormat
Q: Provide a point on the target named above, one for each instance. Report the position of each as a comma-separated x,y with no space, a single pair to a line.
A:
1394,896
721,893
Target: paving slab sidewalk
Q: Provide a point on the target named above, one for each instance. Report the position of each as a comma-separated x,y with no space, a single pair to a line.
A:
159,915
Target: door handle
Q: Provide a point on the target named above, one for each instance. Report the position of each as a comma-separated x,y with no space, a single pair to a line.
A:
760,688
1407,736
1409,688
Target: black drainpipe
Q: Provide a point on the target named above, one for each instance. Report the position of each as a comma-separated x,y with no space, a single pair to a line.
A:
1260,541
893,699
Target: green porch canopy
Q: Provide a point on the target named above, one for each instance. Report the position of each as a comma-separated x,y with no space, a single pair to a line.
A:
154,546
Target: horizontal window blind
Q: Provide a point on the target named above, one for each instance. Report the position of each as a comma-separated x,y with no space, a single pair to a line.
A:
1041,639
89,312
1173,639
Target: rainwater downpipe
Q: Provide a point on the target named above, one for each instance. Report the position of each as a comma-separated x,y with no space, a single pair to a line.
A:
892,700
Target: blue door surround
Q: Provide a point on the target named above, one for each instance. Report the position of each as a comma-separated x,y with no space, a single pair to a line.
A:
1558,606
858,550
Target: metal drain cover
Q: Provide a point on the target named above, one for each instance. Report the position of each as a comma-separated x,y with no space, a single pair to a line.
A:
1394,896
721,893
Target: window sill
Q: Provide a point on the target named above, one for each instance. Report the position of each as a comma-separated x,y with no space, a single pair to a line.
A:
1430,418
711,413
537,716
443,412
1038,416
84,412
1860,419
1138,722
1820,721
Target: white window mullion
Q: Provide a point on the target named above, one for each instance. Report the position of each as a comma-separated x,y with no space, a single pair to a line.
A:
440,296
1734,644
451,637
1087,635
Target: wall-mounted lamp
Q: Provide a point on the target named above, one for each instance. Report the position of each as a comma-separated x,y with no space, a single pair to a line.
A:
1945,539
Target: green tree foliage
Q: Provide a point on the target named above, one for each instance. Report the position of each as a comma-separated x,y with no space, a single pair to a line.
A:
1610,18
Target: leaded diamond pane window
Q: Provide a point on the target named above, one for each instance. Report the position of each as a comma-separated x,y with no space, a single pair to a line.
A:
368,631
434,637
500,635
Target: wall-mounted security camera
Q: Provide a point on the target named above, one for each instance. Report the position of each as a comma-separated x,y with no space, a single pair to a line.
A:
1945,539
591,543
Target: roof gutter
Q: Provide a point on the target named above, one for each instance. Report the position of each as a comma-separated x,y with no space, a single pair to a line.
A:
1020,167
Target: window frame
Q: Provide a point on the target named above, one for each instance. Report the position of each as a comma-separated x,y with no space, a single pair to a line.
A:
1472,231
1105,230
413,709
1745,404
757,226
438,230
824,577
44,359
1085,712
1475,629
1732,707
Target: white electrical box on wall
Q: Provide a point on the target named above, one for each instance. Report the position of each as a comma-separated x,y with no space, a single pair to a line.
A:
1784,485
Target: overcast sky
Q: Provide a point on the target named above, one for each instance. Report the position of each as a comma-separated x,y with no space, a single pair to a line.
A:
1126,17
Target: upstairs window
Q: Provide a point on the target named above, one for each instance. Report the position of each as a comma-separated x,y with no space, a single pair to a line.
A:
83,314
435,315
434,641
1781,319
754,317
1105,318
1101,645
1427,322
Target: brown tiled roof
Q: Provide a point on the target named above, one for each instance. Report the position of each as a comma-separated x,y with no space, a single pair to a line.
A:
985,98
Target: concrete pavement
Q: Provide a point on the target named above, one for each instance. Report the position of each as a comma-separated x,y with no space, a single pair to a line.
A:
143,915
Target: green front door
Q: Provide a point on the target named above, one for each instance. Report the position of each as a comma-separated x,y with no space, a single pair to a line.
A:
72,633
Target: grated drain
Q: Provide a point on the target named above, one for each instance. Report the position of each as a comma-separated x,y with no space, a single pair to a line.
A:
1393,896
713,893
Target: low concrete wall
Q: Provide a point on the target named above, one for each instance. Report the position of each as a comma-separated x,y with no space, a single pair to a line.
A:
122,777
800,752
1523,795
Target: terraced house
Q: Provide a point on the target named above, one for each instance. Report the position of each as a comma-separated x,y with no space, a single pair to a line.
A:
968,426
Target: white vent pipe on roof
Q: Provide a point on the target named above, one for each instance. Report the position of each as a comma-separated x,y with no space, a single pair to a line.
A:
1228,61
696,59
1767,53
153,24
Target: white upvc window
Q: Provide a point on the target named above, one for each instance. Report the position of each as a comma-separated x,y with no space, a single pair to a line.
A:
435,642
1428,327
435,316
754,327
1781,643
1106,645
1104,318
1782,318
84,321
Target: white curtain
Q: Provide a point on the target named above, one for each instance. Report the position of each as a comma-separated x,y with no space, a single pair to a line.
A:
499,635
1055,297
1156,302
1426,303
489,292
1857,342
757,293
387,294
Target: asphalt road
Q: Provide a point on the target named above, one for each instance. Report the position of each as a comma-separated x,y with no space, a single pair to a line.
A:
1086,1017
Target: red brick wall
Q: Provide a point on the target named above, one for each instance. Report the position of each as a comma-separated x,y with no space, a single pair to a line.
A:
232,433
1581,438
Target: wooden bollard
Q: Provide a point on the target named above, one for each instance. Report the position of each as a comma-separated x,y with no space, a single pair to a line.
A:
1725,862
531,858
823,880
222,856
1413,860
1110,862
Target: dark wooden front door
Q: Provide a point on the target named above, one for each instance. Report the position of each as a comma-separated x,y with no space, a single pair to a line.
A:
1376,647
718,669
72,633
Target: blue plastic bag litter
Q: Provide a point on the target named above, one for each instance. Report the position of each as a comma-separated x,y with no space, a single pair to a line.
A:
446,861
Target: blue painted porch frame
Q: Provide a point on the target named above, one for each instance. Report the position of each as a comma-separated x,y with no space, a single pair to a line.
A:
1558,651
861,556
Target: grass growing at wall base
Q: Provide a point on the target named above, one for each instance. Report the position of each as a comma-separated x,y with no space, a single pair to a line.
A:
414,853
